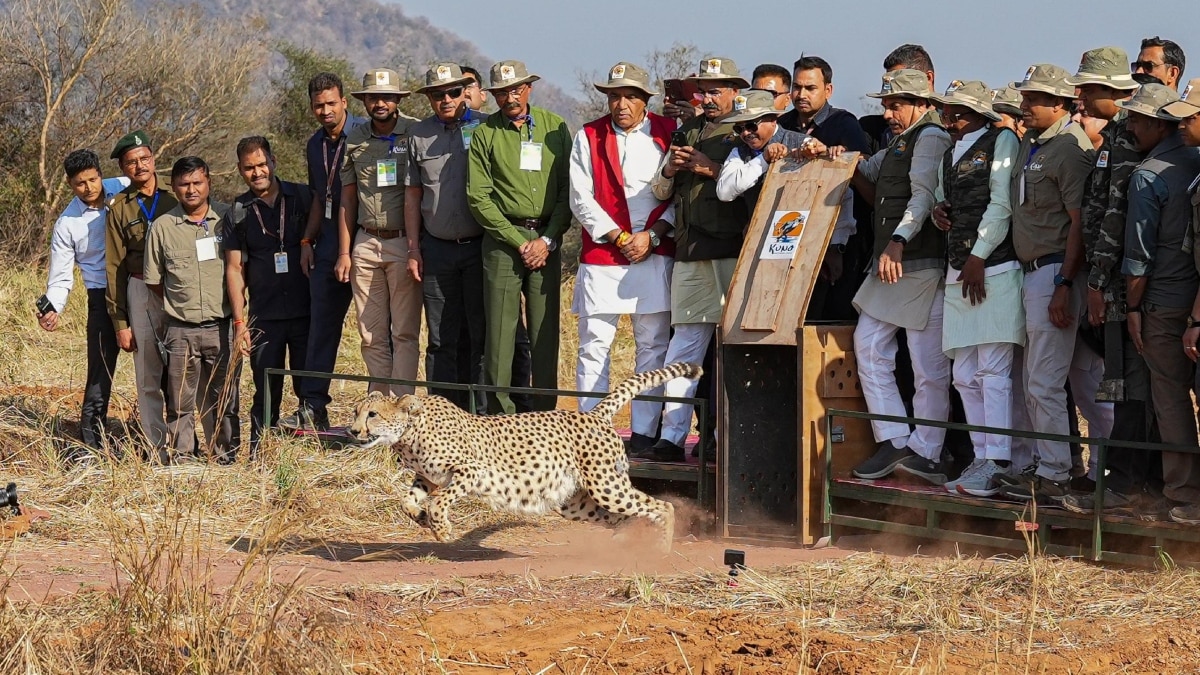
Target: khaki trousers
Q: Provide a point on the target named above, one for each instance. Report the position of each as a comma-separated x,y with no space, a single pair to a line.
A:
147,319
388,301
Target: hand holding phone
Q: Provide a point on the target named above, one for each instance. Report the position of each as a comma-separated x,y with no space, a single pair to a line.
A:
679,139
44,306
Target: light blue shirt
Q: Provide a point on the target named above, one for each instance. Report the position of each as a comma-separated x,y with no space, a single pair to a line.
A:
78,238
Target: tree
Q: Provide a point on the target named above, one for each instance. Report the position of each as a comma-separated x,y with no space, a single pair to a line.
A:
292,128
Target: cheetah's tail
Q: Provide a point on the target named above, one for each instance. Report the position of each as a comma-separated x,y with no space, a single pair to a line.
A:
635,385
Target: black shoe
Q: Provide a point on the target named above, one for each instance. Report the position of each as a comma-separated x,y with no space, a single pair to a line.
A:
1039,488
663,451
925,469
305,419
1083,484
883,462
638,443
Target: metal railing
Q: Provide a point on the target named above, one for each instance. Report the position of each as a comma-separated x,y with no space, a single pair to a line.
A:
701,406
1097,523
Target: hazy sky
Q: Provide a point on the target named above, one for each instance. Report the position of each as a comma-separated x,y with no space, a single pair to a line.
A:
558,38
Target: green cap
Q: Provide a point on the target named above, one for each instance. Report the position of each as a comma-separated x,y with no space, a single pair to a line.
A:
380,81
1150,99
720,68
1046,78
906,82
751,104
625,74
972,94
1007,101
507,74
443,75
133,139
1188,103
1106,66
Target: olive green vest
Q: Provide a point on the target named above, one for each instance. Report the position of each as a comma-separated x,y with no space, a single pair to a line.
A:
968,189
893,189
696,204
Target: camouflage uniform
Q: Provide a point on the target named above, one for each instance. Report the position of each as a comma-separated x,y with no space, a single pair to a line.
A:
1105,203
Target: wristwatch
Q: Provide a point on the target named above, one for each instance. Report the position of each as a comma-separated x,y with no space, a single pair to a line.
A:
654,239
900,239
550,243
1192,322
1060,280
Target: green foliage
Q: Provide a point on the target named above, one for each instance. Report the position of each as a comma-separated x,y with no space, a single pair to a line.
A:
296,123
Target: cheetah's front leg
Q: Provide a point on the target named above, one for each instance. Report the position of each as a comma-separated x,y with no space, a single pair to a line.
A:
412,501
437,506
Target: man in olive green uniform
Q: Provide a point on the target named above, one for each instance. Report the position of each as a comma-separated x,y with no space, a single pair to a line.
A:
905,289
1102,81
184,267
136,314
372,248
518,190
708,239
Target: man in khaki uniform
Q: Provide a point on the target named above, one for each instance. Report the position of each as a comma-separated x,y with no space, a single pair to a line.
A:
375,260
1048,182
137,316
184,268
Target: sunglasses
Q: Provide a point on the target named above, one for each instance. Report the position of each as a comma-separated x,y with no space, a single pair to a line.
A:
1144,65
745,127
452,93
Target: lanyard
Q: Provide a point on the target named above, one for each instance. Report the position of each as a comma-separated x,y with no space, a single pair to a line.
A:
391,139
153,207
1034,146
331,167
203,222
263,225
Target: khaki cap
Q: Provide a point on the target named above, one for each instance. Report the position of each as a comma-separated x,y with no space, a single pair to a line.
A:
1007,101
972,94
1150,99
625,74
507,74
443,75
1108,66
751,104
131,140
1046,78
380,81
1188,103
906,82
720,68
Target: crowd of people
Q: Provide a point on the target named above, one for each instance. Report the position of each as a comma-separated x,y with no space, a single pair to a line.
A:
1031,244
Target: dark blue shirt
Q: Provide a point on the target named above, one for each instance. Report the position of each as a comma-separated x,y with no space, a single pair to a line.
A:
255,232
832,126
321,153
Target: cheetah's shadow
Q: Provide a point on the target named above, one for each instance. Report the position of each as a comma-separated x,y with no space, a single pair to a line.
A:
466,548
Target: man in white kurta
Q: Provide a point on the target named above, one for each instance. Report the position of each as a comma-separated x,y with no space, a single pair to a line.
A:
625,269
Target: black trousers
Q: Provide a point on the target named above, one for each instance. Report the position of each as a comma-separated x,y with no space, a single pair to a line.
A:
452,287
330,300
275,341
102,353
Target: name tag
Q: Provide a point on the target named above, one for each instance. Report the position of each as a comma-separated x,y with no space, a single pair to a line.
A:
206,249
531,156
328,207
467,131
1102,160
385,173
281,264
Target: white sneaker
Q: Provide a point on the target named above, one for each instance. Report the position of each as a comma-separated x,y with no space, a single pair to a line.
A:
978,479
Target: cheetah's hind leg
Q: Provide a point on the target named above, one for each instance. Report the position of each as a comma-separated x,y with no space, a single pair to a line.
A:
582,507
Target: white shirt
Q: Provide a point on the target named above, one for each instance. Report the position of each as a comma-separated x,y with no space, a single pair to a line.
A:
78,238
620,289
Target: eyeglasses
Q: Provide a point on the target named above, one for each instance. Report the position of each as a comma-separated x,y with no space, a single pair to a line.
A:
745,127
772,92
1144,65
509,93
712,93
138,161
452,93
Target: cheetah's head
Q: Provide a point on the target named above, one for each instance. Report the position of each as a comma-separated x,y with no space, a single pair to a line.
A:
384,420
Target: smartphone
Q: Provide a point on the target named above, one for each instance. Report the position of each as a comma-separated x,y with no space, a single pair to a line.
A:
679,139
44,306
680,91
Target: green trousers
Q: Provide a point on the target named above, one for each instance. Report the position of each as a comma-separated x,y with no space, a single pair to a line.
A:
506,280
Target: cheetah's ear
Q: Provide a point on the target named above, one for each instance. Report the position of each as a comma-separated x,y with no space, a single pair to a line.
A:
411,404
374,395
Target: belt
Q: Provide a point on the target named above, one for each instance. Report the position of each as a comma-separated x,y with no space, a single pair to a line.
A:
211,323
1038,263
135,275
459,240
383,234
527,223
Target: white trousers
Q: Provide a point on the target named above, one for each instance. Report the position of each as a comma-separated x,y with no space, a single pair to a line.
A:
688,344
651,333
1087,369
875,349
983,378
1023,449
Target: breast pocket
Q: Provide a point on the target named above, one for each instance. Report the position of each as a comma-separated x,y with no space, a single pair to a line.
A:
180,266
1040,191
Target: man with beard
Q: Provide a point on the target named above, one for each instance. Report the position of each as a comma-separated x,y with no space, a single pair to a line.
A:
517,189
375,262
136,314
331,298
708,238
444,240
262,233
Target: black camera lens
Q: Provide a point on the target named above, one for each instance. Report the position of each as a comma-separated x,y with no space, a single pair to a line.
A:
9,498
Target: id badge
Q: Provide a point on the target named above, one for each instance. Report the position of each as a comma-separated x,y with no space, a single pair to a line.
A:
206,249
385,173
1021,189
281,266
329,208
531,156
467,131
